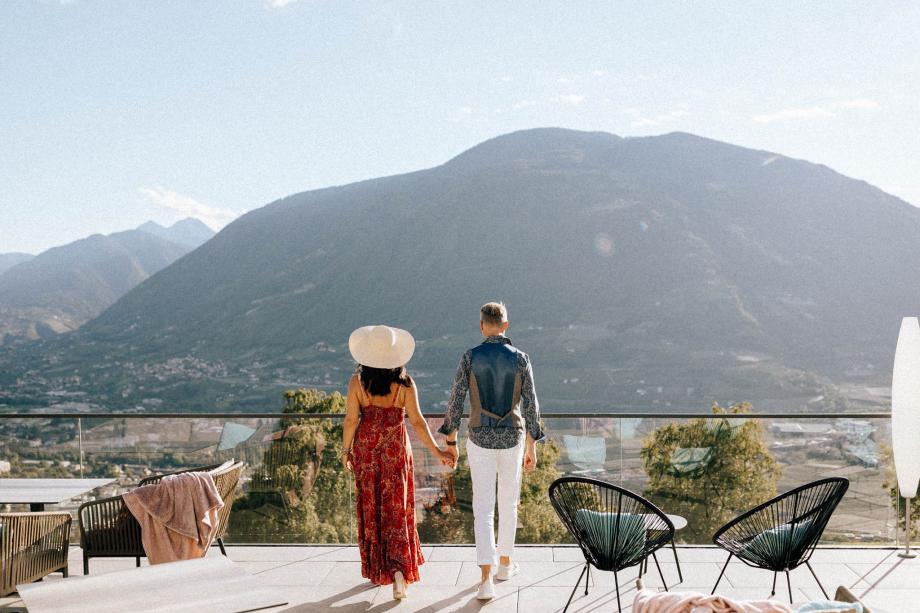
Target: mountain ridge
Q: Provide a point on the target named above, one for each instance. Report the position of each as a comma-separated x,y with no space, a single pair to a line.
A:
698,269
8,260
189,232
65,286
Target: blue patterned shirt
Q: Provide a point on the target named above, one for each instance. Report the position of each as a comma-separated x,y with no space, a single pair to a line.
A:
494,438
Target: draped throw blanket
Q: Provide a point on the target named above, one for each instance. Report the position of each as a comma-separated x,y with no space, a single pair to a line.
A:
178,516
649,601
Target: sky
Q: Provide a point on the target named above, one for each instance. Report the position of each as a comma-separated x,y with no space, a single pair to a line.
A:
115,113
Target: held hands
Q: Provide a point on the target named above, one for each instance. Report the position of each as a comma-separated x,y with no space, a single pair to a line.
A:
454,455
449,456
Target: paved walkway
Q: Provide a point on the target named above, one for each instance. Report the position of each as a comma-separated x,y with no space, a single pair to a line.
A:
329,579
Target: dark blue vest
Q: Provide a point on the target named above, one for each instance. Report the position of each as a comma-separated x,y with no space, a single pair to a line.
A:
495,386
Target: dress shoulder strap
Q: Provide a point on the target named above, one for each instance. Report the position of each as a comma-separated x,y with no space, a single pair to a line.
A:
399,388
364,399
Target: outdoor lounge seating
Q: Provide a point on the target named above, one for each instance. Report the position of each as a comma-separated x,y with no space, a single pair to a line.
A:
615,528
109,530
782,533
32,546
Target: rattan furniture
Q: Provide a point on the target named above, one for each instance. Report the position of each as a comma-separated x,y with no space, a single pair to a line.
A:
615,528
109,530
32,546
782,533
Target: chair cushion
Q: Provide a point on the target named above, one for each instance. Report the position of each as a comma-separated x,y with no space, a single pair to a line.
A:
769,543
626,540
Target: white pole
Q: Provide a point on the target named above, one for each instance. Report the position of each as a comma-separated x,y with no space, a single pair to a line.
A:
80,434
905,415
907,553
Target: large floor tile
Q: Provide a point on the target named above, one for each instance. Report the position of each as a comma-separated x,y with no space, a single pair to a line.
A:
532,573
453,554
282,554
11,604
533,554
323,599
254,568
297,574
544,599
568,554
439,574
890,600
434,600
704,573
339,554
831,575
857,556
887,576
345,573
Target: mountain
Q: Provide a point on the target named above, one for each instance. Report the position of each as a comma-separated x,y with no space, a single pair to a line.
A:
8,260
63,287
659,272
189,232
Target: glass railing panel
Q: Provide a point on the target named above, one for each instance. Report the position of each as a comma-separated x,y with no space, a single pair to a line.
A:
295,490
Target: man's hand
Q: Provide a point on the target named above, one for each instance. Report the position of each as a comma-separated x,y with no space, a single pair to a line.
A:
455,454
530,456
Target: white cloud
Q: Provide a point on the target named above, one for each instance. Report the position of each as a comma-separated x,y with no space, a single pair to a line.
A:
523,104
792,114
570,99
599,73
857,103
565,80
187,206
505,79
278,4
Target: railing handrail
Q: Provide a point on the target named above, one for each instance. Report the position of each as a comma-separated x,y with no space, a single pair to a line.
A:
545,415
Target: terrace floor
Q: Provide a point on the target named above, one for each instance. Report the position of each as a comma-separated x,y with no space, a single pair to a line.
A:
328,578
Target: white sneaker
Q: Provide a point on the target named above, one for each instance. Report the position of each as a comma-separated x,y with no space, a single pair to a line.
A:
486,590
506,572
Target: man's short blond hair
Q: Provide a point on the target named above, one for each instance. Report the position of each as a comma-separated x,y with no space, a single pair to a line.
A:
493,313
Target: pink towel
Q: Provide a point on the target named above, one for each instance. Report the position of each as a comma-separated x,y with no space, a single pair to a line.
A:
649,601
178,516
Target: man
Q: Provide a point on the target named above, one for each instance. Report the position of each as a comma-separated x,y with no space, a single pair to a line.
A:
504,426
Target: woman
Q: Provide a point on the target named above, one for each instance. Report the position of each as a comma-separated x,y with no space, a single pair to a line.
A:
376,448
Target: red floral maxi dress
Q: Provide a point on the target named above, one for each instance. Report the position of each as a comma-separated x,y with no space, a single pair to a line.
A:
385,501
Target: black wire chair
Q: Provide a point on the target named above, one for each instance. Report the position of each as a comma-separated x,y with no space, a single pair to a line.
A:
782,533
615,528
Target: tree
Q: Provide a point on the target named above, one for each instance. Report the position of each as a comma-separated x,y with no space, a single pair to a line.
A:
300,491
709,470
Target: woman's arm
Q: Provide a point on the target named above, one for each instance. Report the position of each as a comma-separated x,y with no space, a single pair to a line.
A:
419,424
352,417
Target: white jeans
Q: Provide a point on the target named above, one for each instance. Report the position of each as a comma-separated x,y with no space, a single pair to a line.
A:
485,464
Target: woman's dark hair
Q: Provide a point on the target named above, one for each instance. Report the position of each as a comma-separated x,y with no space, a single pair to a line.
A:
377,381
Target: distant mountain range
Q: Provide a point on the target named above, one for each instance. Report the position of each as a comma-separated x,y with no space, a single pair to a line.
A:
63,287
8,260
659,273
189,232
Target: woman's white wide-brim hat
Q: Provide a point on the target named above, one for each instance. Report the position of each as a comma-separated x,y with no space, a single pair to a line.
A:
381,346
